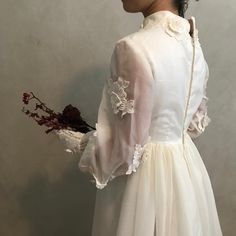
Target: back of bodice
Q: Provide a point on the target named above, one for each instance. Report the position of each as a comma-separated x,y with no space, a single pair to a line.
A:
179,70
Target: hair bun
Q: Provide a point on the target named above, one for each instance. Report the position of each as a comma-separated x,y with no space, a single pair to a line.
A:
182,6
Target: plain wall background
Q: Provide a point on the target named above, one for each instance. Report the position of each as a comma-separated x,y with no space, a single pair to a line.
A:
61,51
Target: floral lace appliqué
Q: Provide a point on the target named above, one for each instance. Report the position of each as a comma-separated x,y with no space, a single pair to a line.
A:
199,121
138,151
176,28
71,139
118,96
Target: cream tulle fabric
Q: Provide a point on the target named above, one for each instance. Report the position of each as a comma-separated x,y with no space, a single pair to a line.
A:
150,177
161,199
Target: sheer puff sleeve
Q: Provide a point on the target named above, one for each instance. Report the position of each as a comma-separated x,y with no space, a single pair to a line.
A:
124,117
200,119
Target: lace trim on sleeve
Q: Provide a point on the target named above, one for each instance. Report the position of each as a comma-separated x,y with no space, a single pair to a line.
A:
200,120
71,139
138,151
140,155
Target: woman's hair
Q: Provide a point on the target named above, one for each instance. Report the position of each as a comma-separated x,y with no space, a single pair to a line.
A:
182,6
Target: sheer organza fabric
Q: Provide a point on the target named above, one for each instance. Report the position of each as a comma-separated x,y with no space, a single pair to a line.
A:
124,117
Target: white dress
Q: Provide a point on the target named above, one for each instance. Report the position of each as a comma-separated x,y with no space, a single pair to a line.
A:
149,175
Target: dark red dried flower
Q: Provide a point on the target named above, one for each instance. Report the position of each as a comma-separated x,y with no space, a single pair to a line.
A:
70,118
26,98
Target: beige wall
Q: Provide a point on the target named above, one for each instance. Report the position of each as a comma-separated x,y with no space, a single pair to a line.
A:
61,50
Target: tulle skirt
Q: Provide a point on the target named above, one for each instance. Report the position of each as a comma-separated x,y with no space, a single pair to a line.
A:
170,194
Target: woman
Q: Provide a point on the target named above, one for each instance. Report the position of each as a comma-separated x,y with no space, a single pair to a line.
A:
150,177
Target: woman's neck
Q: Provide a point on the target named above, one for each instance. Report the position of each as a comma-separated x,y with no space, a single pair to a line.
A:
160,6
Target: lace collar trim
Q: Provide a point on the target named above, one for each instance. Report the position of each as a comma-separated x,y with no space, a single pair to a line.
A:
172,22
